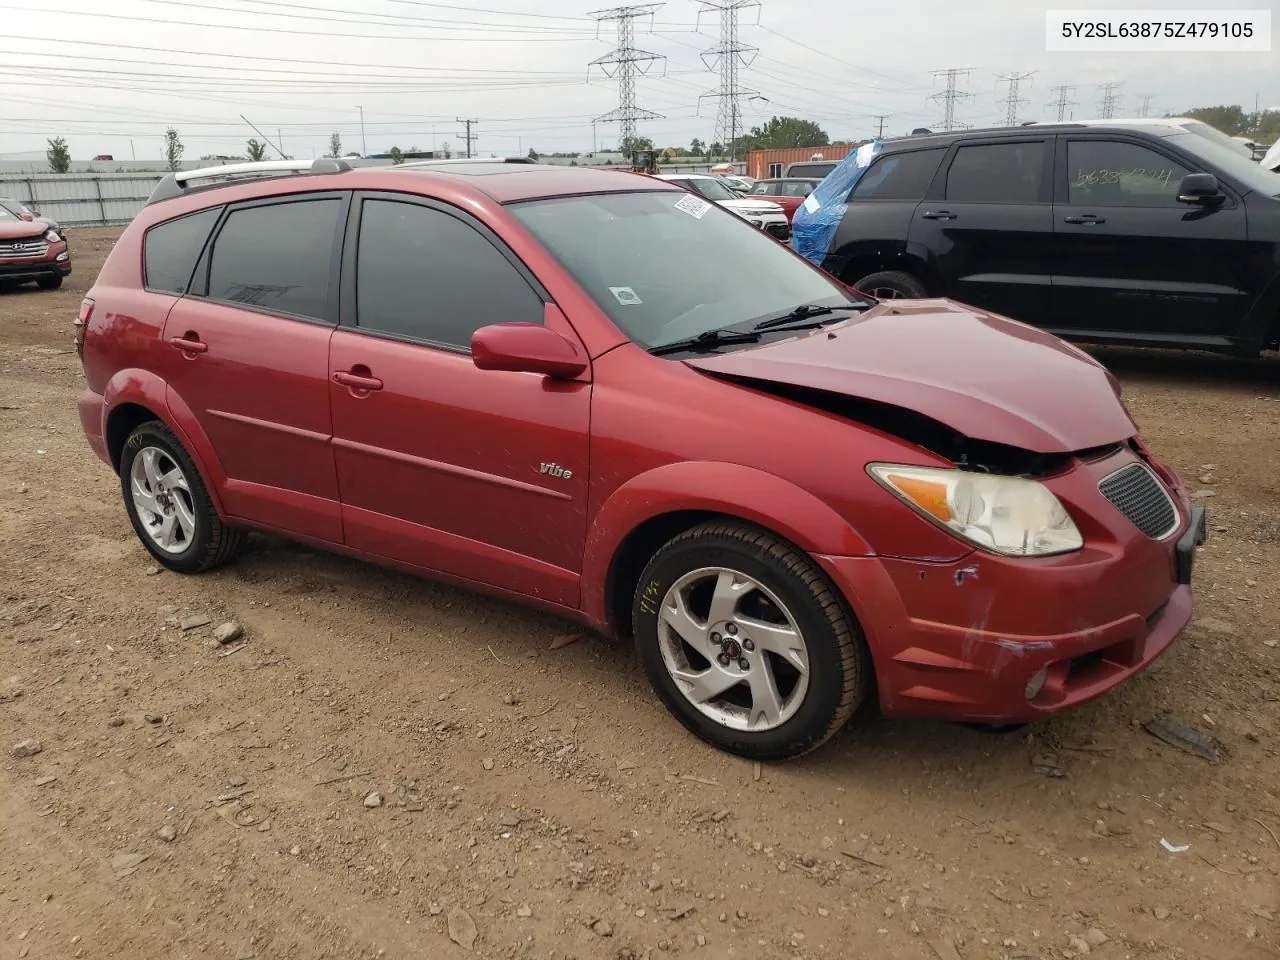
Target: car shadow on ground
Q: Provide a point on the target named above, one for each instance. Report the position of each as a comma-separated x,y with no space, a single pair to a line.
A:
1188,367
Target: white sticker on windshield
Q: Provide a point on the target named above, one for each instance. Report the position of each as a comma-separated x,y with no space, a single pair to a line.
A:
695,207
811,203
625,296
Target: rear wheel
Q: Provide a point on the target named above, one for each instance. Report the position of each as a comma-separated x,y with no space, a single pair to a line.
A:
169,506
49,283
747,643
892,285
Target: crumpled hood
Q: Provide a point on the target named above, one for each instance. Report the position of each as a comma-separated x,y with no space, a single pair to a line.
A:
982,375
746,207
21,229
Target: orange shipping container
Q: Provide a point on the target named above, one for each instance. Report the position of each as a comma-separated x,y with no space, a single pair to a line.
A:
767,164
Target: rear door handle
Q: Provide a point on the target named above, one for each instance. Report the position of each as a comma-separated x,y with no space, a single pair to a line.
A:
357,381
190,343
938,215
1088,219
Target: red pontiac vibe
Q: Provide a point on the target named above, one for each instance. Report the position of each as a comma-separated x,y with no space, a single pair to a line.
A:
602,396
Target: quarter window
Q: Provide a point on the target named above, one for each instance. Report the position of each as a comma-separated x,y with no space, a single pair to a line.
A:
427,275
901,176
278,257
997,173
170,250
1104,173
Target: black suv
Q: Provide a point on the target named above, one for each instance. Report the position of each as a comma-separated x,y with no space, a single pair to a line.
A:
1144,233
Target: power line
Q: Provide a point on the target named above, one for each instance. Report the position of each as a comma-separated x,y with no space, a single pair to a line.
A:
1012,102
1064,91
625,63
1110,99
729,54
952,95
469,137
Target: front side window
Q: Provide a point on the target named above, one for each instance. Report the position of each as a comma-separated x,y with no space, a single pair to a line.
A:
1111,173
901,176
763,188
278,257
170,250
997,173
424,274
663,269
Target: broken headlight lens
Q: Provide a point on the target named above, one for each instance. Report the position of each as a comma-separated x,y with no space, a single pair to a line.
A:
1008,515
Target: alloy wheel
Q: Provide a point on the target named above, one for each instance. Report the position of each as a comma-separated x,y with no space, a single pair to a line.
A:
162,498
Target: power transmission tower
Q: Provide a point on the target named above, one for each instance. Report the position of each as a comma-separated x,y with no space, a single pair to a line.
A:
1012,102
1110,99
1145,109
730,55
626,63
468,137
952,95
1064,100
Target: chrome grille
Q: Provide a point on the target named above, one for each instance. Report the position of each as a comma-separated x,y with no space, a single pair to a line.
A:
1139,495
23,249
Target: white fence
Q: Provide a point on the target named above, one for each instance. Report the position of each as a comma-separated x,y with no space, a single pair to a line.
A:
83,199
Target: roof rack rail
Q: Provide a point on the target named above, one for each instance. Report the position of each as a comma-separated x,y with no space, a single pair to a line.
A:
176,184
433,163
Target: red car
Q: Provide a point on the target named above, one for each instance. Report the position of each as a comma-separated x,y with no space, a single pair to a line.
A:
608,398
786,193
31,250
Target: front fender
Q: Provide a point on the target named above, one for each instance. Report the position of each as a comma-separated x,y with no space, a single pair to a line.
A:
731,489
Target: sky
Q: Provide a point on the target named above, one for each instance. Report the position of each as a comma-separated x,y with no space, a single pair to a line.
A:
110,77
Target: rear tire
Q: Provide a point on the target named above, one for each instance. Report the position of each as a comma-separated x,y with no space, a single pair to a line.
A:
748,643
169,505
49,283
892,285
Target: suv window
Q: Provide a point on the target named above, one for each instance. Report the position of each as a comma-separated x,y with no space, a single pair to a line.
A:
425,274
997,173
1110,173
815,170
899,176
170,250
278,257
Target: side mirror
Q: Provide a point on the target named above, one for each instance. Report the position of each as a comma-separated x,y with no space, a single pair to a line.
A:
1199,189
527,348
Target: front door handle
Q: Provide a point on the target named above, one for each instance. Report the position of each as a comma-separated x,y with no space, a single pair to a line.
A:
1088,219
938,215
358,380
189,343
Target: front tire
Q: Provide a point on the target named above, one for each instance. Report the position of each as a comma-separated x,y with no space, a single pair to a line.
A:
49,283
748,643
892,285
169,505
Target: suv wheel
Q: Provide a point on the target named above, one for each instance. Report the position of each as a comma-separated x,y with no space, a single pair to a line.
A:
747,642
49,283
169,505
892,285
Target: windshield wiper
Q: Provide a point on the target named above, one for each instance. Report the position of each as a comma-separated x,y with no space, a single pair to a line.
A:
806,311
706,339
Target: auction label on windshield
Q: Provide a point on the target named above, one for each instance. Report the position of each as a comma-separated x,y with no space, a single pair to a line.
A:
1159,31
695,207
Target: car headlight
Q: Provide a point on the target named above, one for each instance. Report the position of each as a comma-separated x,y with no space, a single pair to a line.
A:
1007,515
52,235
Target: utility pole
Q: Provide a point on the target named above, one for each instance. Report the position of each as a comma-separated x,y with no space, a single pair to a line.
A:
364,144
880,119
1064,100
729,54
1012,102
469,137
1145,109
280,140
952,95
1110,99
626,63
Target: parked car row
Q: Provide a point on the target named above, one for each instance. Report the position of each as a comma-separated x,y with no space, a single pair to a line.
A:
1153,232
607,396
768,216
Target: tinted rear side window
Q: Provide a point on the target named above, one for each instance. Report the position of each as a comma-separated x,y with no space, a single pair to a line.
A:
278,257
902,176
997,173
425,274
170,250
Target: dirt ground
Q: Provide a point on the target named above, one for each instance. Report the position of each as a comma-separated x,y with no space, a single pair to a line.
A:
193,800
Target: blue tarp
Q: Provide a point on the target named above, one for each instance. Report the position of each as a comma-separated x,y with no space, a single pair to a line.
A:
815,222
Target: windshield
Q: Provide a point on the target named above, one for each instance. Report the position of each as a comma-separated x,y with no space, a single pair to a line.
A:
1251,175
1218,137
5,214
665,266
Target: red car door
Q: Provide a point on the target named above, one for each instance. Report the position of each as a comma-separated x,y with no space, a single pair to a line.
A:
248,354
476,474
